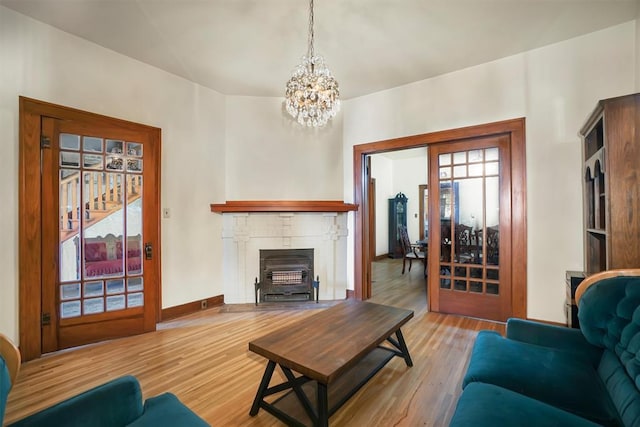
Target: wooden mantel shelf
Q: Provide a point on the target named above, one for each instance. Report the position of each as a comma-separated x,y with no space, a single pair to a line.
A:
283,206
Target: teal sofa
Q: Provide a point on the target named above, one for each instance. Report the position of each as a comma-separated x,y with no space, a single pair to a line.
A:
543,375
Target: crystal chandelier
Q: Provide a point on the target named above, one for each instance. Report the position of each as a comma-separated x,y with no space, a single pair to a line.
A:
312,96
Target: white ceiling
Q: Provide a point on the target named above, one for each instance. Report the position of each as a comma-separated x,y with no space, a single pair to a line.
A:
250,47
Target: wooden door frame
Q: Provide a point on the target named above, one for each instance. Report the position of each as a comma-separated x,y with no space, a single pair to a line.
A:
421,189
515,128
29,204
372,211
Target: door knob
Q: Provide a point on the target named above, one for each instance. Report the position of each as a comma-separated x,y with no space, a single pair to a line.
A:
148,250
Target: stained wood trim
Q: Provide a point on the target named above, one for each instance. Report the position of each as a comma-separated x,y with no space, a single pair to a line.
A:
191,307
514,127
518,221
421,189
30,232
283,206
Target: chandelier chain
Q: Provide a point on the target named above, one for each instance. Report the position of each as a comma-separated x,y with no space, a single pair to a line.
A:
311,33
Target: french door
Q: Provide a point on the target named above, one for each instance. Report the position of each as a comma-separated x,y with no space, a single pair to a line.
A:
89,228
470,228
484,275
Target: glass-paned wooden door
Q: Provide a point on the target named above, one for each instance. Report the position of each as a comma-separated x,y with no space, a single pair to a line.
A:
470,230
105,282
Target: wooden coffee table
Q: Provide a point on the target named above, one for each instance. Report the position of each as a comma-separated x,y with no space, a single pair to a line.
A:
335,352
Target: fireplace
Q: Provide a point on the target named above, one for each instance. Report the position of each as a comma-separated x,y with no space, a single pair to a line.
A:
245,234
286,275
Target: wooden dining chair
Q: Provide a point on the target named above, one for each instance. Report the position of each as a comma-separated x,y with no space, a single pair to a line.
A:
411,251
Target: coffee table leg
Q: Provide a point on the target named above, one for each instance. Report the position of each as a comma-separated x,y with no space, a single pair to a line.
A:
403,348
323,405
264,384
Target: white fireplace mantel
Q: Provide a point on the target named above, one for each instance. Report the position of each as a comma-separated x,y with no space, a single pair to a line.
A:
245,233
283,206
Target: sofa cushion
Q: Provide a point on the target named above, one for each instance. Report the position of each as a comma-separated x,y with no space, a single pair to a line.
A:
559,378
115,403
5,385
167,410
623,391
487,405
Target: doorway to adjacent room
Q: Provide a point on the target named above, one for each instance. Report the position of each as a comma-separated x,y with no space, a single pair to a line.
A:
471,269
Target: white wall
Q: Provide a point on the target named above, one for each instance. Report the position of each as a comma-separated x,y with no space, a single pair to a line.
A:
41,62
271,157
555,88
408,174
382,171
394,175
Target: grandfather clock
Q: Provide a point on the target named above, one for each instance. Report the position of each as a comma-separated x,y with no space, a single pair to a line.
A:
397,216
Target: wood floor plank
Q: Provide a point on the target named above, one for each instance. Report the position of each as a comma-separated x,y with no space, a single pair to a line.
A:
204,359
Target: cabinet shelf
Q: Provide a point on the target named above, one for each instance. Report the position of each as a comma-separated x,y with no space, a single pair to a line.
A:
597,231
611,184
595,163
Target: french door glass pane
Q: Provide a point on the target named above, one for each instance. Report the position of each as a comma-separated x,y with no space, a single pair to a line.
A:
469,221
69,207
100,212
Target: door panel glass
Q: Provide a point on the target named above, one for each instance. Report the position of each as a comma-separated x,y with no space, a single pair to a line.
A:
70,309
92,161
93,289
69,160
459,171
93,305
134,224
135,300
135,284
100,199
69,142
104,224
469,211
91,144
70,291
115,303
69,206
492,224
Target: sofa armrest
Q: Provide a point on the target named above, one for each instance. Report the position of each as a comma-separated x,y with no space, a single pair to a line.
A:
166,410
115,403
558,337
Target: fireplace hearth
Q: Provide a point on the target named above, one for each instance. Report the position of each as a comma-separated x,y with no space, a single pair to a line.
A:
286,275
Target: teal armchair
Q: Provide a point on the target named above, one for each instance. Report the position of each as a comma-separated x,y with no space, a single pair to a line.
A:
540,374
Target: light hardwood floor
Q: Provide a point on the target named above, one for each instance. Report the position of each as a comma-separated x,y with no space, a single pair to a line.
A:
203,358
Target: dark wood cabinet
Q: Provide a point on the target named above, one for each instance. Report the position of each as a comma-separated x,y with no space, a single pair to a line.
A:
397,217
611,183
574,278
